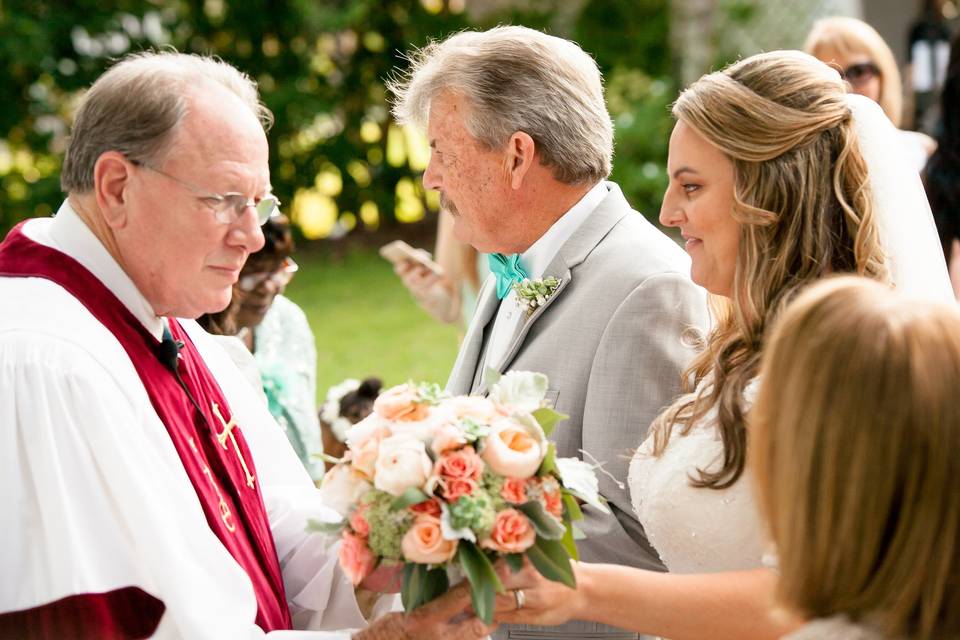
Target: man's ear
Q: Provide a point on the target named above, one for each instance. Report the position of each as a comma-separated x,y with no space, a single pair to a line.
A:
111,178
521,152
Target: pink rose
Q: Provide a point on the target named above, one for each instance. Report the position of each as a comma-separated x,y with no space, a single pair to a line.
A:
552,498
401,403
429,507
452,488
514,490
356,559
358,522
446,437
424,543
511,533
461,464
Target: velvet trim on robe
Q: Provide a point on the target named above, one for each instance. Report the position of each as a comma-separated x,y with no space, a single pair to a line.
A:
221,470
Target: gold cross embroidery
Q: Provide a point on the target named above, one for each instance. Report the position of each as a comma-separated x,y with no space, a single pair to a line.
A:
227,432
225,514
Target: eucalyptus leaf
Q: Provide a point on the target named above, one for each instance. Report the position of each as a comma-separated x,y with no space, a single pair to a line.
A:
552,561
409,497
483,579
328,528
545,524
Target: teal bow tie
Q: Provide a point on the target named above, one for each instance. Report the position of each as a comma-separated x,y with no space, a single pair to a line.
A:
508,271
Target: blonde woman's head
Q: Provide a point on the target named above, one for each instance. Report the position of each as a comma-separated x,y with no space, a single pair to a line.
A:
854,449
771,194
855,49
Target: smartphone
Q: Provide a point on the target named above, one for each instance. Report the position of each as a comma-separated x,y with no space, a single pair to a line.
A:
400,251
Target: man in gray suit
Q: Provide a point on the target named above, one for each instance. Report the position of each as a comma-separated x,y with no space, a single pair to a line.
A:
521,145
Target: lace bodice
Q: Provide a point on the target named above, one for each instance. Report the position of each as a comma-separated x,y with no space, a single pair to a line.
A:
695,530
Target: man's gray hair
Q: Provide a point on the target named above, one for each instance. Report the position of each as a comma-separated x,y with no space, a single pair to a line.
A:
517,79
136,106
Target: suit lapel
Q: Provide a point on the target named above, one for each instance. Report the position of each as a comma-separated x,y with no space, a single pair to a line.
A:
464,369
573,252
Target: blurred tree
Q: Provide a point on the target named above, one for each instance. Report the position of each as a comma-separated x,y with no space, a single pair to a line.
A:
320,65
337,160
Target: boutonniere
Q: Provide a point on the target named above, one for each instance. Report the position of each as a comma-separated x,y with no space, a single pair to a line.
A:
533,294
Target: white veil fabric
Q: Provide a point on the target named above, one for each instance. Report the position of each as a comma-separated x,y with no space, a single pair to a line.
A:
907,231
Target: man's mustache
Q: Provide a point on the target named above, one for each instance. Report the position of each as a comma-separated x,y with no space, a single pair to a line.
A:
447,205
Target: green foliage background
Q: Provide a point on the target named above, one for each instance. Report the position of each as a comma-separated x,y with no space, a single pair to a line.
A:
321,66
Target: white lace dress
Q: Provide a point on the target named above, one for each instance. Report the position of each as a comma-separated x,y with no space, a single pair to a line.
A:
696,530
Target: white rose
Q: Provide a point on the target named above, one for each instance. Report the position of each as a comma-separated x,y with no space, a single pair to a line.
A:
515,447
522,391
342,488
373,426
402,463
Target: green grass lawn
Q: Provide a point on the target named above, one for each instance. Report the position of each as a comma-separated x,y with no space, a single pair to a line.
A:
366,323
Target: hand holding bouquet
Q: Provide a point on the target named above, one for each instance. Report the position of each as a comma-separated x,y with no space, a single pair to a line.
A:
444,486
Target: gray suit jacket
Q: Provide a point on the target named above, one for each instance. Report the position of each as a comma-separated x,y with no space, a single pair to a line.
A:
610,340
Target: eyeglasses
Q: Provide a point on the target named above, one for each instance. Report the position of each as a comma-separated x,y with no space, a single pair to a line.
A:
857,74
227,207
280,276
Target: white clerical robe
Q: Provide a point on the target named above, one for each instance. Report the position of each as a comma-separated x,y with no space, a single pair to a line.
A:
94,494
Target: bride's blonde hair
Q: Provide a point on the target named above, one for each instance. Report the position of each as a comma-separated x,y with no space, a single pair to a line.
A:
854,449
805,209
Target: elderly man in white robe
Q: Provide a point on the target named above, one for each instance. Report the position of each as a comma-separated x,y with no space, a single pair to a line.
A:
147,491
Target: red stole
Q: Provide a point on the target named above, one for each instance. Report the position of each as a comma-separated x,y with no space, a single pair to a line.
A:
221,470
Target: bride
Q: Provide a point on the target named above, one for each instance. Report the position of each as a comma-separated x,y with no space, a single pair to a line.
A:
777,178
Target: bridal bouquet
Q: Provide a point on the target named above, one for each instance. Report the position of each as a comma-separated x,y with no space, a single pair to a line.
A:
441,487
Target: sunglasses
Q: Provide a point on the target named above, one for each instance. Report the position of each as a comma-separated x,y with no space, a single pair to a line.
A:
280,276
857,74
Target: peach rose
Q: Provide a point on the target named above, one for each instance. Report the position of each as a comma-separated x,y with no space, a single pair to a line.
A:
358,522
447,437
460,464
343,487
512,533
424,543
553,502
429,507
356,559
364,458
371,427
514,490
515,447
402,463
452,488
476,408
401,403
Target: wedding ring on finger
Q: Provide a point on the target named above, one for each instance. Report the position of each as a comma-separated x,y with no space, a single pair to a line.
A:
519,598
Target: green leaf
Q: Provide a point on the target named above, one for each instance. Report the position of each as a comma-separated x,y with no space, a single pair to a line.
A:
409,497
483,579
328,528
514,561
491,376
552,561
568,541
548,418
412,587
573,507
421,585
549,464
545,524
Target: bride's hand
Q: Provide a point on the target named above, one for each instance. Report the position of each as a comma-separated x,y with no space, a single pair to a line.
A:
544,602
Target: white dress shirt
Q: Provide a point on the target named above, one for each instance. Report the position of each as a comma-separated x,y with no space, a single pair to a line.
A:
535,261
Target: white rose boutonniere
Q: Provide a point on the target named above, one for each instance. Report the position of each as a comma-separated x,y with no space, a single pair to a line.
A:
532,294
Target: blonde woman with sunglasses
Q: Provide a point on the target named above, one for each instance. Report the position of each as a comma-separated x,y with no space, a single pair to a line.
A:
867,64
